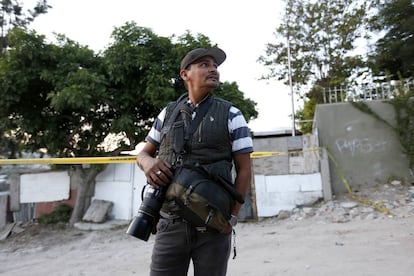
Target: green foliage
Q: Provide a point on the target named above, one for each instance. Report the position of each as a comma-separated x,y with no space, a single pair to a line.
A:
51,95
404,110
68,100
12,16
322,36
140,70
231,92
306,115
403,104
362,106
60,213
394,55
65,98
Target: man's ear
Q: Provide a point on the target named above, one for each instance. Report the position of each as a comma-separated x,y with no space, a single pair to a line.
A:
183,74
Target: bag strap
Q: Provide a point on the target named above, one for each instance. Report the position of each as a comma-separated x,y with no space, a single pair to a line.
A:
182,106
202,111
218,179
182,100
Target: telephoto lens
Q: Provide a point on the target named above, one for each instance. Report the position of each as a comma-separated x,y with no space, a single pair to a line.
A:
148,214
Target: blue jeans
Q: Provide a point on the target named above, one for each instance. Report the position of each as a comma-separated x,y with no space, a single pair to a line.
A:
177,242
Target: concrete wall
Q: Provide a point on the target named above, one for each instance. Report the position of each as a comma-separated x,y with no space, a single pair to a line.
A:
292,155
367,150
116,184
122,184
119,183
280,182
290,177
44,187
275,193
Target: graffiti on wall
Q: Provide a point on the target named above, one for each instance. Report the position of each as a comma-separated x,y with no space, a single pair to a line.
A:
357,146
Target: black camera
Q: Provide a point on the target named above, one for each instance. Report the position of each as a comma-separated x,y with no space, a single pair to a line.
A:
145,221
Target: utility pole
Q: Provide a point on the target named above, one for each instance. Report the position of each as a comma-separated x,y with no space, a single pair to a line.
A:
291,85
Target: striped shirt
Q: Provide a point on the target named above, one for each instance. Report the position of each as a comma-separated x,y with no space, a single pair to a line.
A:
239,131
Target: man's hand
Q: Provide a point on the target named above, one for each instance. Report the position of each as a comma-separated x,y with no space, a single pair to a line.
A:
157,172
227,229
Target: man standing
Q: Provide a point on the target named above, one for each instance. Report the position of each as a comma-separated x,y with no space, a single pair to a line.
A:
220,140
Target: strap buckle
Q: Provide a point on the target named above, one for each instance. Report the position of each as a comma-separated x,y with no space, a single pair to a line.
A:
178,162
201,229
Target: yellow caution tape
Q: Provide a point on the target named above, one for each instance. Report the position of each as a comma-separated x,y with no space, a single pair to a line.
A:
115,159
265,154
260,154
377,205
74,160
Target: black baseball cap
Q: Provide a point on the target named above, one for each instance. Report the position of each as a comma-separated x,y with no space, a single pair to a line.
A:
216,53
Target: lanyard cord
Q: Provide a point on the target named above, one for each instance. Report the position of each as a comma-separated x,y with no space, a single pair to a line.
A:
234,244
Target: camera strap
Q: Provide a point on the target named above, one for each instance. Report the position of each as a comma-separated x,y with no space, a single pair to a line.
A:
202,110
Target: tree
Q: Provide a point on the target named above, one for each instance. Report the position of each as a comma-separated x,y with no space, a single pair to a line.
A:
322,39
52,96
66,99
394,55
305,115
12,15
231,92
23,92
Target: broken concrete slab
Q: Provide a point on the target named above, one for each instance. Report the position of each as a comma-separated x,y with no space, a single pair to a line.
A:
7,231
98,211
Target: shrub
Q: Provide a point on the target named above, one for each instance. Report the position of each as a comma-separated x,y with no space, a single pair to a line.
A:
60,213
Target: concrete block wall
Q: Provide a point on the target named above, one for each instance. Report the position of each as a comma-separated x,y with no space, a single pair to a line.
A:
368,151
273,165
288,179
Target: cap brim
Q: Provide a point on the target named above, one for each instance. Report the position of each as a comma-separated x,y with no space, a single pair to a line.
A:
217,54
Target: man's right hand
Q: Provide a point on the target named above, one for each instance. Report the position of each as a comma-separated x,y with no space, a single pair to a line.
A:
157,172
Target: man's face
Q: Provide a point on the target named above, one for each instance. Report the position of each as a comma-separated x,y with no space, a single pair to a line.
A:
203,73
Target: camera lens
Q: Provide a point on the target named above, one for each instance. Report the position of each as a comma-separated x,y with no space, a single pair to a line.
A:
141,226
148,214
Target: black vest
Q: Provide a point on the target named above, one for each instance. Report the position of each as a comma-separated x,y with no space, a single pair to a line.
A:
210,144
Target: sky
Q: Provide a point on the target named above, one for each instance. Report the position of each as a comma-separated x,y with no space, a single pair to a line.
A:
241,28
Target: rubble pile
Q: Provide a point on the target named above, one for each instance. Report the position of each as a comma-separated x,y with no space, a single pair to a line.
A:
394,200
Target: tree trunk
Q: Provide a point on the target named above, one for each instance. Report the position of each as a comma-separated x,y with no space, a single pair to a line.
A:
85,191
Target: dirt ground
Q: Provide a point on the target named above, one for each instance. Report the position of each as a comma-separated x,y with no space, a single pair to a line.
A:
317,243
